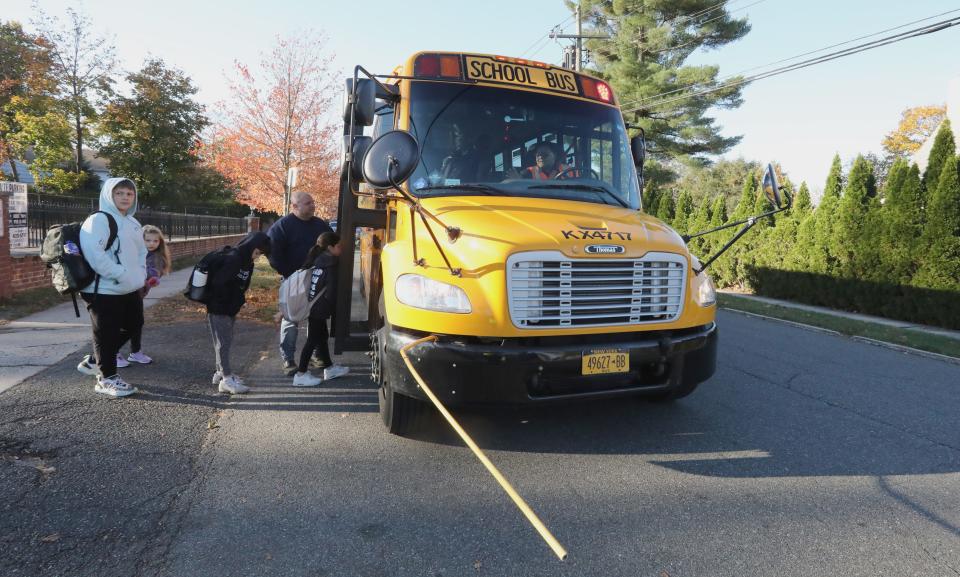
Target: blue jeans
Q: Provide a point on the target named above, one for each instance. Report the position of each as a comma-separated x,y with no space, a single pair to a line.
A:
288,340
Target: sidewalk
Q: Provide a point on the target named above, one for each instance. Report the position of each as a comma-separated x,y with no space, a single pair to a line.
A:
35,342
853,316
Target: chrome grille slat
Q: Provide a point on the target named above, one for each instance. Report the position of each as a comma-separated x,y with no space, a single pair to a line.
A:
547,290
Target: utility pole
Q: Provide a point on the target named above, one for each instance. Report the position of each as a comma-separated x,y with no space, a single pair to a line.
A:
578,63
579,36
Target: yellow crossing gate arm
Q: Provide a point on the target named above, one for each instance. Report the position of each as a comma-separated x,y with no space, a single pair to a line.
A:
504,483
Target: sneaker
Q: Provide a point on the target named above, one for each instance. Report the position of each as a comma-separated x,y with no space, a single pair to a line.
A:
122,362
334,371
231,385
289,368
139,357
88,367
113,386
218,376
306,380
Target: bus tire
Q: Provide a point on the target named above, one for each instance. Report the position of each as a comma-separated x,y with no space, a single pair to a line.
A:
401,414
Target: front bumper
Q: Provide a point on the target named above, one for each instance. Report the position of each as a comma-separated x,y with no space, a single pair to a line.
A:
548,369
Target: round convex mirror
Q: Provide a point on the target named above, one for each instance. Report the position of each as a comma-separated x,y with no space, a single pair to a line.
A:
391,159
771,187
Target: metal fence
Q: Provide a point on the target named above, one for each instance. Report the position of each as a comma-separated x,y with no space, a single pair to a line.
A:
44,211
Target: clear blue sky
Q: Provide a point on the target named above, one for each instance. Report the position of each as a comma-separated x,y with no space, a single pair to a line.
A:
800,119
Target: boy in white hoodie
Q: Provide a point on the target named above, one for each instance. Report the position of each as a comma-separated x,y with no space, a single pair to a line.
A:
113,300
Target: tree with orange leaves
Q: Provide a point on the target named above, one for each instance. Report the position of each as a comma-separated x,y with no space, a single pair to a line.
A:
280,117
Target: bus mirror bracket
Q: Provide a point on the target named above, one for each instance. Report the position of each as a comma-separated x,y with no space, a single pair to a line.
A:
780,200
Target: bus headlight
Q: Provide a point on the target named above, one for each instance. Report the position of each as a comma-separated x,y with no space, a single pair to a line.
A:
703,291
424,293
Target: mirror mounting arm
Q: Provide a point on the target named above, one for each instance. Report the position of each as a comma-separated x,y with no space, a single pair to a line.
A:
748,224
415,207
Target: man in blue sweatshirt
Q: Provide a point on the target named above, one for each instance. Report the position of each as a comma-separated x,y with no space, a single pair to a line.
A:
291,238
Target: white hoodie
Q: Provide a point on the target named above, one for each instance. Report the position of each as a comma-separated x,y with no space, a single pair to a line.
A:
121,271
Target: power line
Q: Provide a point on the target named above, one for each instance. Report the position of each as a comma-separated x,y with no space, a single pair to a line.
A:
923,30
694,84
546,36
698,38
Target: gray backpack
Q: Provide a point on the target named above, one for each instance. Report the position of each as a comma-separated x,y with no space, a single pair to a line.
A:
295,302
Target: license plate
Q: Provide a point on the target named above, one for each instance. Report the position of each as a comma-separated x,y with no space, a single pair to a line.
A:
605,362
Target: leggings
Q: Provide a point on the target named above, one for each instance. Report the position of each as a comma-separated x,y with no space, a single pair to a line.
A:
316,340
221,327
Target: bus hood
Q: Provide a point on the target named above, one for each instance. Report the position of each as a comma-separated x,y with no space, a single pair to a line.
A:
493,227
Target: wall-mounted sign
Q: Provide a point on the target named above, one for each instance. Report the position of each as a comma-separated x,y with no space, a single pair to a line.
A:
17,213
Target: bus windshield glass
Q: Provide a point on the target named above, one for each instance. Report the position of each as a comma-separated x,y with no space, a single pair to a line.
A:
479,140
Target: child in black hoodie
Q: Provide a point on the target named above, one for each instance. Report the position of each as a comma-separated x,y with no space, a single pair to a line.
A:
229,280
322,258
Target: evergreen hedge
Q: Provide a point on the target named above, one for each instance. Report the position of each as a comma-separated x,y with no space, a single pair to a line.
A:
893,252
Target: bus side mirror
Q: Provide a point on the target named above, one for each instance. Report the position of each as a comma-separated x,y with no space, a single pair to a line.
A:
391,159
771,189
638,146
359,149
363,101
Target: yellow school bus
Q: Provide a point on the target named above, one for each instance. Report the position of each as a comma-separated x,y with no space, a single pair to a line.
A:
500,212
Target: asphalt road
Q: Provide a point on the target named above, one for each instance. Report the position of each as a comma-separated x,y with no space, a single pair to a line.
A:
806,454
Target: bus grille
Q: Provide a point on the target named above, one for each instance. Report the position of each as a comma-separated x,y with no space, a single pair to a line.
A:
547,290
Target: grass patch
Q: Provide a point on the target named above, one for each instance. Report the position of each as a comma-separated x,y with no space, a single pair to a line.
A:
30,301
851,327
261,301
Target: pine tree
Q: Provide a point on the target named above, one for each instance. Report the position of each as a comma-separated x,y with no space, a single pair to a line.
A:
834,179
665,209
900,222
940,267
699,222
644,56
650,198
683,211
851,238
725,269
802,206
943,148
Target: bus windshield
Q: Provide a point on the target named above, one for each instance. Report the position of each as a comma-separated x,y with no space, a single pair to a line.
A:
480,140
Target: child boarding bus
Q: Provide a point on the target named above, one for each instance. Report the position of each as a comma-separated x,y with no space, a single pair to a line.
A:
498,204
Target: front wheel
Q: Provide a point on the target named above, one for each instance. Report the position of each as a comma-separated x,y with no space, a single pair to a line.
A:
401,414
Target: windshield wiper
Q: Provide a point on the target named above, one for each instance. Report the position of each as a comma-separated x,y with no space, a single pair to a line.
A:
486,189
587,187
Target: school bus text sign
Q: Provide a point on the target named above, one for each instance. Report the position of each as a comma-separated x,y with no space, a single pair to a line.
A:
490,70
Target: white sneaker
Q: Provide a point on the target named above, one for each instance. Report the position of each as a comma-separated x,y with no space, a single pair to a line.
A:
113,386
218,376
139,357
334,371
230,384
306,380
122,362
88,367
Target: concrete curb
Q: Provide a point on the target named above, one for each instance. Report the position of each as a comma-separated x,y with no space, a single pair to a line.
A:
893,346
786,322
909,350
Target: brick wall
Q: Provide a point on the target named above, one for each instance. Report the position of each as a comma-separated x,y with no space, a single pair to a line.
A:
24,270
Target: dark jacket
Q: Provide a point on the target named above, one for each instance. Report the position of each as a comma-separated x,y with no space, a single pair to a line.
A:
327,264
230,275
291,239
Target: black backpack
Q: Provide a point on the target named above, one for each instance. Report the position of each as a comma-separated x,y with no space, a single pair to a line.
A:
61,252
198,288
